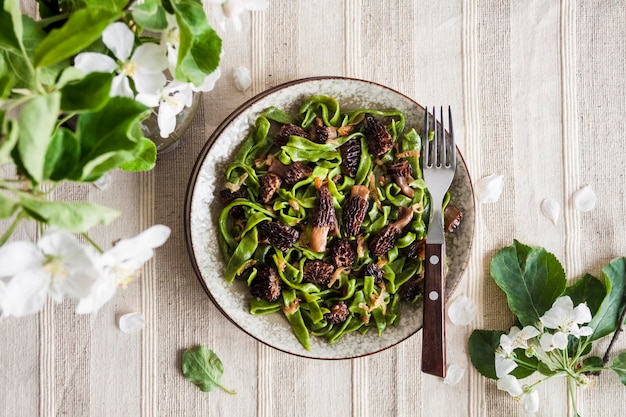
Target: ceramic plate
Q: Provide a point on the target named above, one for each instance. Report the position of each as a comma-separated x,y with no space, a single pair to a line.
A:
203,207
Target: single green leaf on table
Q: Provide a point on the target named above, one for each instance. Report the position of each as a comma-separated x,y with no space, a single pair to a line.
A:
37,122
74,99
150,15
619,366
11,24
605,321
204,368
531,278
108,137
200,46
587,289
75,217
81,29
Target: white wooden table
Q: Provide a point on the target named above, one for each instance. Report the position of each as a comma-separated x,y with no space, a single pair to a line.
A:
539,92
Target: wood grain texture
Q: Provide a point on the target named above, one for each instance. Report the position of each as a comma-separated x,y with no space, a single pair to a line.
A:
538,87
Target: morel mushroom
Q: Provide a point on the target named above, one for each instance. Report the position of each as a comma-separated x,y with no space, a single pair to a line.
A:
296,172
355,210
412,289
379,140
282,136
375,272
452,218
227,196
350,157
401,172
269,184
317,272
415,249
324,219
338,313
320,133
386,238
342,253
266,284
278,235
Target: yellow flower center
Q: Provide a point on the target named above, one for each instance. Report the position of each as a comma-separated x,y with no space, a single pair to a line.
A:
129,68
56,267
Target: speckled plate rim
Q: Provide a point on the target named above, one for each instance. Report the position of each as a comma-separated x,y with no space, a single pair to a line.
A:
273,330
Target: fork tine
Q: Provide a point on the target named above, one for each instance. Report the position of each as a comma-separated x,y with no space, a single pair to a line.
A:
451,136
442,161
436,139
425,143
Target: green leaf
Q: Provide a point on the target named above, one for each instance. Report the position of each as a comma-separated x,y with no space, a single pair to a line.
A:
11,24
199,47
74,99
6,83
8,142
62,155
531,278
605,321
75,217
593,362
37,121
619,366
482,349
150,15
7,206
68,75
81,29
146,155
20,67
587,289
204,368
108,138
33,36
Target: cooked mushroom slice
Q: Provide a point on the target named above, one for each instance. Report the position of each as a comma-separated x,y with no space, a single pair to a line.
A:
415,249
400,171
374,271
227,196
412,289
355,210
296,172
282,136
317,272
386,238
342,253
276,167
324,219
320,133
269,184
338,313
278,235
350,157
266,284
378,138
452,218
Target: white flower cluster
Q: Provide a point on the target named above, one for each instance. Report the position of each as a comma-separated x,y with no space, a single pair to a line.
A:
545,342
59,266
146,64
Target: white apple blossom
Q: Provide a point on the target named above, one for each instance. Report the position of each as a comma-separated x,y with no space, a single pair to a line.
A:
565,318
231,10
58,266
504,364
511,385
145,66
549,342
530,401
171,100
121,264
517,338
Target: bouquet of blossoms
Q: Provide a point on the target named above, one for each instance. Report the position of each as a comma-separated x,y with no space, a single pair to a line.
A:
75,87
555,328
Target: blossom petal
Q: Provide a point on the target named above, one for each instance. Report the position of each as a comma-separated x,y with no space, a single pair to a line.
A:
119,39
504,366
101,292
150,58
582,314
149,83
120,87
151,100
139,249
584,331
454,375
462,311
166,119
242,77
530,402
209,81
16,257
89,62
511,385
25,294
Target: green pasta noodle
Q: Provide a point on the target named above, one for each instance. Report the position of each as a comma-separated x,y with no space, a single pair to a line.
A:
356,297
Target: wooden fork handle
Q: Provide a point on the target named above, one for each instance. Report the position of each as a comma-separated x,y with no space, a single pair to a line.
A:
434,329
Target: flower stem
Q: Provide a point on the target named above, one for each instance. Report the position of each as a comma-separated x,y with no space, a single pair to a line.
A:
572,395
605,358
92,242
12,227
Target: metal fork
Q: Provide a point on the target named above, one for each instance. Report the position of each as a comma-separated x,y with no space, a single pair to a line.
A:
439,165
